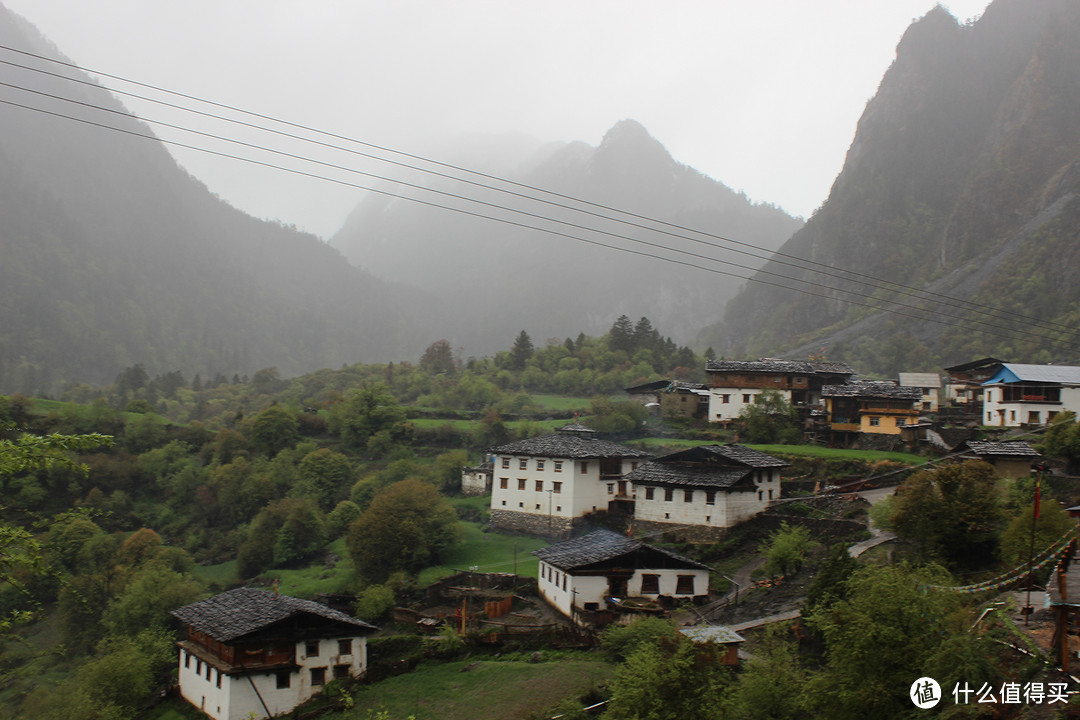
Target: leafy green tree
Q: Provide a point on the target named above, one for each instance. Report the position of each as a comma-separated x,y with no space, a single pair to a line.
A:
952,514
786,548
365,412
770,419
1063,439
773,681
830,583
669,680
407,527
274,429
1052,523
148,597
374,602
616,416
324,475
439,358
878,639
619,642
340,518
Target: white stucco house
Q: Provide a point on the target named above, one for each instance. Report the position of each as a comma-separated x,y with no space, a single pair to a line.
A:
930,386
255,654
541,485
1019,394
714,486
602,570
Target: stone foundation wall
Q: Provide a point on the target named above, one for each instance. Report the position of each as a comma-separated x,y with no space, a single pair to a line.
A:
529,524
684,533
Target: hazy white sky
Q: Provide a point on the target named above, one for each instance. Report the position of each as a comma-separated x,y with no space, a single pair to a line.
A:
762,96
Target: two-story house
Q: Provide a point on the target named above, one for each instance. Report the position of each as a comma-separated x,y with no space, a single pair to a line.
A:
873,408
711,486
599,575
249,653
541,485
1019,394
929,384
733,384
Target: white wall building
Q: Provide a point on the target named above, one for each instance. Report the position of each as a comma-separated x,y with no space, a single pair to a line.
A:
542,484
712,486
252,654
930,386
1030,394
599,570
734,384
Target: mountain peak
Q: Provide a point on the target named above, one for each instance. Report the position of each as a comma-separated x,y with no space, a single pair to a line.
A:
628,133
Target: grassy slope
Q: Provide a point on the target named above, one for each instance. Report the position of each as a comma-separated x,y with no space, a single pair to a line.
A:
487,691
816,451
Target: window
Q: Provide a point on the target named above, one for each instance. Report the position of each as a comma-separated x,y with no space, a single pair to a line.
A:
584,468
669,494
989,397
209,671
725,399
539,486
770,493
710,497
745,398
187,659
989,417
219,679
684,585
1033,416
537,506
540,465
318,676
521,483
558,508
759,495
504,503
523,464
283,679
688,496
633,465
521,505
344,647
506,462
198,666
875,422
341,671
311,649
611,488
800,381
504,483
1012,415
564,582
650,584
558,465
556,487
649,493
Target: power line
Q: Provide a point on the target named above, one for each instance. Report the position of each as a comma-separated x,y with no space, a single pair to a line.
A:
928,317
800,263
984,310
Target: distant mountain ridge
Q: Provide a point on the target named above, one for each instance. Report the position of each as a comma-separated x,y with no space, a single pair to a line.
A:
111,255
494,279
963,179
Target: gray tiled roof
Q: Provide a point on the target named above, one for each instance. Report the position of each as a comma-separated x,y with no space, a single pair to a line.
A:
242,611
567,445
767,365
872,390
1002,449
658,473
598,546
706,466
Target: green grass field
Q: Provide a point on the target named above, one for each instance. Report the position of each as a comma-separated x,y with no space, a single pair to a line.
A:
486,691
490,551
562,402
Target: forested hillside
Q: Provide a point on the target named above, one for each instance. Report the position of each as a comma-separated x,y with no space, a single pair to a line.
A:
111,255
494,278
962,180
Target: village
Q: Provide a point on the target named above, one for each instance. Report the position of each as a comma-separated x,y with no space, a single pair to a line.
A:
612,512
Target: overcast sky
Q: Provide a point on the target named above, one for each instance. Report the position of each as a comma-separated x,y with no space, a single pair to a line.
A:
760,95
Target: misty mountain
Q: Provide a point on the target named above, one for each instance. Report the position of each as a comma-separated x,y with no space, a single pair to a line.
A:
495,278
962,179
111,255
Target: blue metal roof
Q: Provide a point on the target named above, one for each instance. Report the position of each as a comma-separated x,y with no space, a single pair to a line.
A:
1017,372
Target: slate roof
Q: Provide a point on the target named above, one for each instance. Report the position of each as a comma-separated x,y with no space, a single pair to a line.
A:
599,546
872,390
566,444
706,466
657,473
768,365
242,611
1002,449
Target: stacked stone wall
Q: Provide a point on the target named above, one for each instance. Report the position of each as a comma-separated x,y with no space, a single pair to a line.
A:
529,524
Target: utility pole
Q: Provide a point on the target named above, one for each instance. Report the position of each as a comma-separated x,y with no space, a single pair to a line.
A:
1036,470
